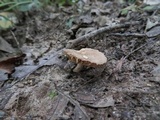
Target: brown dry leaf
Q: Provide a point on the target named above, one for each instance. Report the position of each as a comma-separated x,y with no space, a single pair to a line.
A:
84,97
103,102
7,65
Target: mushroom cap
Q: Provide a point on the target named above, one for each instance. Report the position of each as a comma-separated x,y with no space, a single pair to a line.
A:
86,56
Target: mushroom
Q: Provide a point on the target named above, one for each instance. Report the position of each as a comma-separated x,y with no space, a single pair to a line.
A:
85,57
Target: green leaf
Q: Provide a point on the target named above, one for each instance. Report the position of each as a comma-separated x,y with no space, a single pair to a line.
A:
61,2
124,12
7,20
149,8
35,4
129,8
7,3
69,22
21,5
52,94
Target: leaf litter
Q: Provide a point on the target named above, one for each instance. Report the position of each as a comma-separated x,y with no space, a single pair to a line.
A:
128,87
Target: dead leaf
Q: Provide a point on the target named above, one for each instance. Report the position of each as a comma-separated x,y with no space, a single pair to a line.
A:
79,112
3,75
8,64
12,100
151,2
50,59
106,102
85,20
103,102
154,32
105,12
95,12
84,97
5,46
60,107
151,22
105,21
23,71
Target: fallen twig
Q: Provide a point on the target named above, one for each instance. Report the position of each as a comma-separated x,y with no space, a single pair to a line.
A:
75,103
121,61
59,107
16,41
75,42
128,35
135,50
85,83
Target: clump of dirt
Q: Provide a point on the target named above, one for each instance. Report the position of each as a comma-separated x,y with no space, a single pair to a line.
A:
128,88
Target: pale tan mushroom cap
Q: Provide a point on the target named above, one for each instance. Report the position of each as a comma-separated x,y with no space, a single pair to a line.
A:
86,56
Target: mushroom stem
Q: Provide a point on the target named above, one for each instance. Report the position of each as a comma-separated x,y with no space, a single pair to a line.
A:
78,68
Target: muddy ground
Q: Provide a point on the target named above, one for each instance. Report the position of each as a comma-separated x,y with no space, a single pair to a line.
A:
127,89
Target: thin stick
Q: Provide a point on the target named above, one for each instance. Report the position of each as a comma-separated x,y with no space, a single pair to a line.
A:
135,50
75,42
128,35
72,101
119,65
18,45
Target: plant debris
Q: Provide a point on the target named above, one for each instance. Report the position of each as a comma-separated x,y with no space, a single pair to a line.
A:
37,81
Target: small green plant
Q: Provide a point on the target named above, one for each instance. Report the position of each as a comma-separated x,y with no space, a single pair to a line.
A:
52,94
69,22
7,20
131,1
64,2
21,5
26,5
129,8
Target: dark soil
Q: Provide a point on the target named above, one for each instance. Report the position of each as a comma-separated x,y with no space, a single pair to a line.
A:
128,88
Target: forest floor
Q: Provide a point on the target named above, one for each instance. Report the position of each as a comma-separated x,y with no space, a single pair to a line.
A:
44,89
